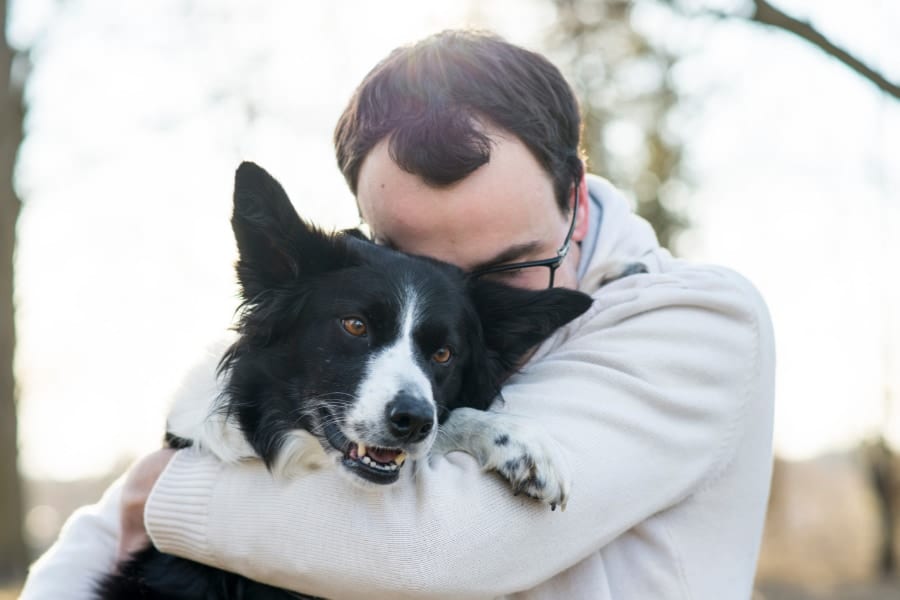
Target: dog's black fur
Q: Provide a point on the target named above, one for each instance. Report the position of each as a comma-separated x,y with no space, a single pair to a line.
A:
293,366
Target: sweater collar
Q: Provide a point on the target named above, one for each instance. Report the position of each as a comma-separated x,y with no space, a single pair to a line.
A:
615,234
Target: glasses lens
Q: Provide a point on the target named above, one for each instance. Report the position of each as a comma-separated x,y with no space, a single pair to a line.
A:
533,278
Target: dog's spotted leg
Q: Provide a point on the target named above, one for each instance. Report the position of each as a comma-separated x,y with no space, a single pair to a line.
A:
527,457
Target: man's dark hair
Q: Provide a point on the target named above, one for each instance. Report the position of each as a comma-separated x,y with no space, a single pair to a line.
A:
433,99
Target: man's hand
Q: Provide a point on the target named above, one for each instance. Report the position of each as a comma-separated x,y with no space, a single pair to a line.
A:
137,489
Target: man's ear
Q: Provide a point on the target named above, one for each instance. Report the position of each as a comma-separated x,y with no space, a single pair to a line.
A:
514,321
276,247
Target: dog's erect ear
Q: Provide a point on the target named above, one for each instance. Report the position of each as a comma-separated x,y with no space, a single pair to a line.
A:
276,246
513,322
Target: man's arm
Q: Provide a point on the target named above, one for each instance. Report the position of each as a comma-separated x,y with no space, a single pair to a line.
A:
84,552
647,398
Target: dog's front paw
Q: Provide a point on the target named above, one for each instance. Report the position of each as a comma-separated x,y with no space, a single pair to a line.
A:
523,453
532,463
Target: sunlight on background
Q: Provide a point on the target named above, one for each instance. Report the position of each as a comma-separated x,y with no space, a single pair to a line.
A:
139,112
138,115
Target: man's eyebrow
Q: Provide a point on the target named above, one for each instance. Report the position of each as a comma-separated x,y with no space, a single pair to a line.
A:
508,255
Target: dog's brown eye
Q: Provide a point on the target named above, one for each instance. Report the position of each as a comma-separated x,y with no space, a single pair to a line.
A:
443,355
354,326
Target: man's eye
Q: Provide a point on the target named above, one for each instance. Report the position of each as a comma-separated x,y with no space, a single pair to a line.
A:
354,326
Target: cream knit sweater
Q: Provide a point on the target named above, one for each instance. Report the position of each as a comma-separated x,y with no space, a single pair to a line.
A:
662,396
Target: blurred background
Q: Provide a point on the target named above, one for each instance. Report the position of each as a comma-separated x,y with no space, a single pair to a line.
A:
765,137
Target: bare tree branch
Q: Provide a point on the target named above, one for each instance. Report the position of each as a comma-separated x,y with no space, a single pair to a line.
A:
766,14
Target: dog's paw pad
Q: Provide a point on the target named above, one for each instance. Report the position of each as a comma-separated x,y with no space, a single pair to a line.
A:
533,468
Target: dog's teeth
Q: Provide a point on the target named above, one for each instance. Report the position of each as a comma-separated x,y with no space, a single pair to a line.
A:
367,460
400,458
360,449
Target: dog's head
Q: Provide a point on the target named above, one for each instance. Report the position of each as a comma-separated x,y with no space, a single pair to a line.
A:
366,348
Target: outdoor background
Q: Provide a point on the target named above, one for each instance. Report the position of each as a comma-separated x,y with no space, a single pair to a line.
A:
765,137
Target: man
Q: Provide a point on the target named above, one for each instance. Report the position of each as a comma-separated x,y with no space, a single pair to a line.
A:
465,148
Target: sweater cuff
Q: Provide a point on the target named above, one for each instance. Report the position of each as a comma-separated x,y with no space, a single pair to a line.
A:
177,512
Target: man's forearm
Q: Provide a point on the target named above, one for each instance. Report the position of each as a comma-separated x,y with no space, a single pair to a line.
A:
84,552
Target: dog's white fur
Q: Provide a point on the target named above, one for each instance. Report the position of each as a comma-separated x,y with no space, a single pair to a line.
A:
389,372
195,416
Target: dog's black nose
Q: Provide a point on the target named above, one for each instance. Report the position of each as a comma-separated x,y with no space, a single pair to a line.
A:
410,418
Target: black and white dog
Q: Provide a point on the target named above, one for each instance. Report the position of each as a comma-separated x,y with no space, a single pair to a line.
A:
354,355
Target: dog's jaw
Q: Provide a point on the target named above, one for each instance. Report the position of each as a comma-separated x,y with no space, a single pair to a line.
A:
368,464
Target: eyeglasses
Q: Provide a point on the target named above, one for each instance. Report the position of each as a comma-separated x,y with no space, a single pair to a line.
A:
533,274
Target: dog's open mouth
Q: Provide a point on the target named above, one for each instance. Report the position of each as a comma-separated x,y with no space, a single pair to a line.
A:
379,465
372,463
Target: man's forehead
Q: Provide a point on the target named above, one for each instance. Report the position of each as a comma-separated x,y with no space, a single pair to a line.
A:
507,202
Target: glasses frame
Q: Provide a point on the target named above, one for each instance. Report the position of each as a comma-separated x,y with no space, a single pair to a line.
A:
550,263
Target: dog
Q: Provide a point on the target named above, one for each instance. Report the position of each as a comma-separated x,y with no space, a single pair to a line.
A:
354,356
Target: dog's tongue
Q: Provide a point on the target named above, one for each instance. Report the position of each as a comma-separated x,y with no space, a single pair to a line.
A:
382,455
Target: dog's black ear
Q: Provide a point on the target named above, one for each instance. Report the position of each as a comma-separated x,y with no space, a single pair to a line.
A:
514,321
275,245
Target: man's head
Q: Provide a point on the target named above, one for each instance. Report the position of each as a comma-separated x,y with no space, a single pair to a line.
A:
466,148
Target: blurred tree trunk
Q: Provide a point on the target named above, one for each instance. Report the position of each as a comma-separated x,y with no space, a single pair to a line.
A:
622,81
13,552
885,472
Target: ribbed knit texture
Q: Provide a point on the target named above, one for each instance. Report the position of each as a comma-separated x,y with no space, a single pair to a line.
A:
180,511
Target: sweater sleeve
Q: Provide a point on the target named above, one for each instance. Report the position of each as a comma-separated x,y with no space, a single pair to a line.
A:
84,552
647,396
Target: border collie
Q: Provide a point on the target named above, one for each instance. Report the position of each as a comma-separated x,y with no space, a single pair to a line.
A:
354,355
